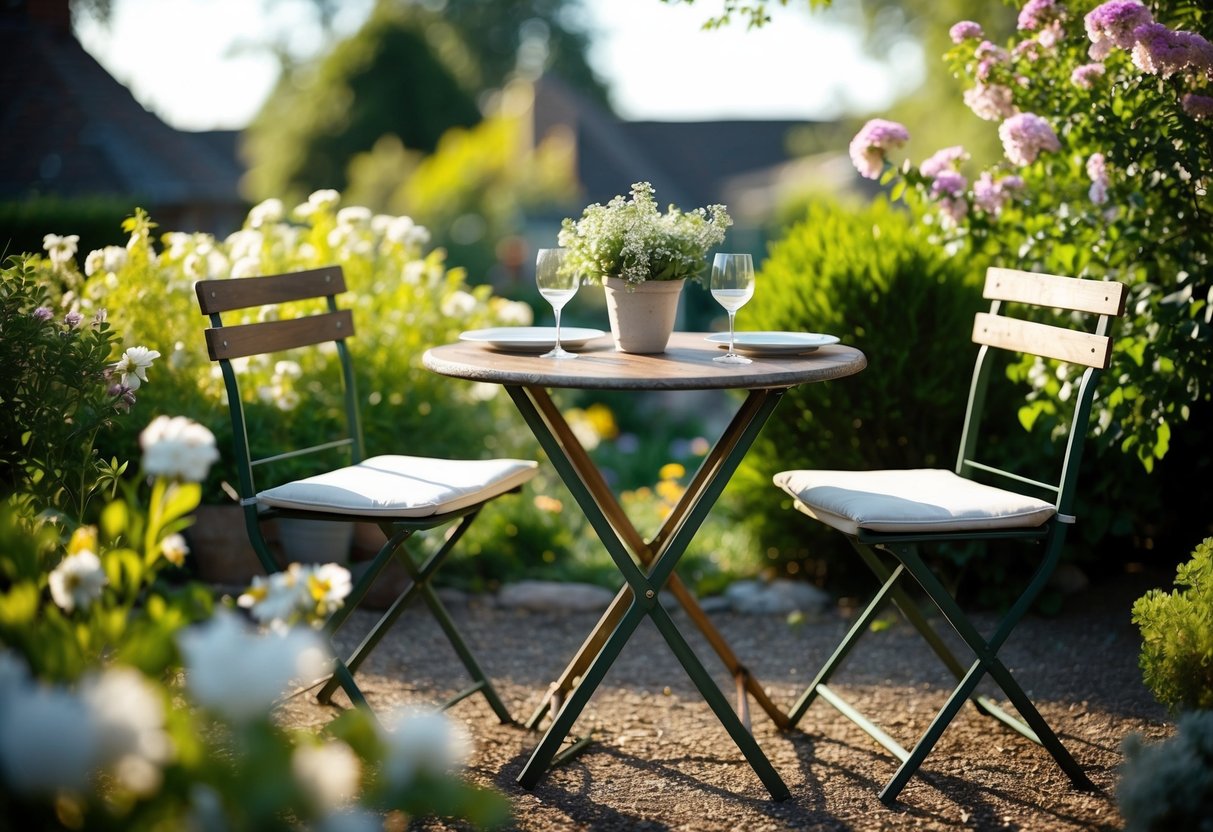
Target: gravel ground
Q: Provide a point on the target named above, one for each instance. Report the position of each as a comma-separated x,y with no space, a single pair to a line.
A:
660,759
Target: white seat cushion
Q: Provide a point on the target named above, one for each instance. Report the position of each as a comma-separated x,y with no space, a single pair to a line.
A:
911,500
402,486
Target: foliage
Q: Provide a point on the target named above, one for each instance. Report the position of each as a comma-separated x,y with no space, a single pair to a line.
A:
474,189
633,240
1177,635
866,276
58,391
1169,785
128,702
754,12
394,77
96,220
1108,156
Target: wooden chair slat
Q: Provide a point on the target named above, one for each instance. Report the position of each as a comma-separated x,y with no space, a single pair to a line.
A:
1097,297
244,292
1084,348
274,336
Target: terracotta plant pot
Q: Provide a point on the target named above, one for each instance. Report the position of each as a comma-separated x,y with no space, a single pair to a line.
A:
642,316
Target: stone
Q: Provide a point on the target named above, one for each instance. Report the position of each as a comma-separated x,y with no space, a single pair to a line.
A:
776,597
547,596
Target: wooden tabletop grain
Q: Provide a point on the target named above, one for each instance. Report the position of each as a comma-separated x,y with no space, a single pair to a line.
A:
685,365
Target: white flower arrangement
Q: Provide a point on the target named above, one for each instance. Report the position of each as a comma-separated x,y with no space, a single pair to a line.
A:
633,240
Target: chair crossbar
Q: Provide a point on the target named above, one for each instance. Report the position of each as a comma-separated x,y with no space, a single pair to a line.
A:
1052,488
327,446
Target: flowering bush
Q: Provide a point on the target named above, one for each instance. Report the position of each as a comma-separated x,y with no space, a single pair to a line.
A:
404,300
61,388
128,701
1105,123
633,240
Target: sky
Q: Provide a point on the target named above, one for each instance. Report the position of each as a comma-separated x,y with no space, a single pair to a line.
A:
197,63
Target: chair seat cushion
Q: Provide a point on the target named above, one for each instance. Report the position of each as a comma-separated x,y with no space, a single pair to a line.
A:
911,500
402,486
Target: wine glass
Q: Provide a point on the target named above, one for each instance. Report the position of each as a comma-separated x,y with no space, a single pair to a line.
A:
732,286
557,284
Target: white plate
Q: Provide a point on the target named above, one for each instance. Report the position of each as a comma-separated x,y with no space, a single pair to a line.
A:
531,338
774,343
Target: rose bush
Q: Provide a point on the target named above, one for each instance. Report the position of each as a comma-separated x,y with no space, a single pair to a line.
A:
1105,113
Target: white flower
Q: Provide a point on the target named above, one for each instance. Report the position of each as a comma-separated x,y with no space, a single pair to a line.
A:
177,447
77,581
458,304
514,312
133,365
106,260
324,198
47,742
246,267
265,213
354,216
298,592
329,774
239,673
128,715
328,584
174,549
422,741
60,249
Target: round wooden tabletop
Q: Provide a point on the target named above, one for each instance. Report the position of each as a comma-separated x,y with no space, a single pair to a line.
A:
686,364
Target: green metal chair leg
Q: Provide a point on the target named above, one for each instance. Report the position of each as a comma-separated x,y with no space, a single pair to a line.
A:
844,648
720,705
578,698
465,655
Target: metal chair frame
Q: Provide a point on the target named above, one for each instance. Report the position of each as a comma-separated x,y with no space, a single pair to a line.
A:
993,331
336,326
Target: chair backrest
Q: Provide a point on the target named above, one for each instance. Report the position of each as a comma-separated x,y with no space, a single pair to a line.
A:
285,321
1082,336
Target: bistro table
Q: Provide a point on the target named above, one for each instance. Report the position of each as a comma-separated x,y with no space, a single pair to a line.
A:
686,364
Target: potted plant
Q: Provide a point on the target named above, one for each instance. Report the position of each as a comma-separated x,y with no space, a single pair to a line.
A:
642,258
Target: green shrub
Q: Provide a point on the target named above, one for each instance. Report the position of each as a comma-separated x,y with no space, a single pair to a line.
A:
56,396
1177,635
1169,785
868,277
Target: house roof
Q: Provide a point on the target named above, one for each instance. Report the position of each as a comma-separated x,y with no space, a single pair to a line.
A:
68,128
689,163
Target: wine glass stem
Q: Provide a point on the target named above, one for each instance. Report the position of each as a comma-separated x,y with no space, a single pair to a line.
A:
557,311
731,314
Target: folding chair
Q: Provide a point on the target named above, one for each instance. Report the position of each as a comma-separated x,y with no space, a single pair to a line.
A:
400,494
894,512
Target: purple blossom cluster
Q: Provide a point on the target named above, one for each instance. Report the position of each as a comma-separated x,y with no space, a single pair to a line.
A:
1084,76
1112,24
1160,51
992,194
1025,135
873,140
1198,107
1097,171
1037,14
965,30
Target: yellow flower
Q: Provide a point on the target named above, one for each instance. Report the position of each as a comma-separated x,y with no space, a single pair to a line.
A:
672,471
83,539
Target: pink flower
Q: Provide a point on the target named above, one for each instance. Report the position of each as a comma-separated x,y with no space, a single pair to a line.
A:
988,56
1198,107
42,313
1097,170
1112,24
1084,76
965,30
991,195
870,143
1160,51
1037,14
992,102
946,159
1025,135
949,183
